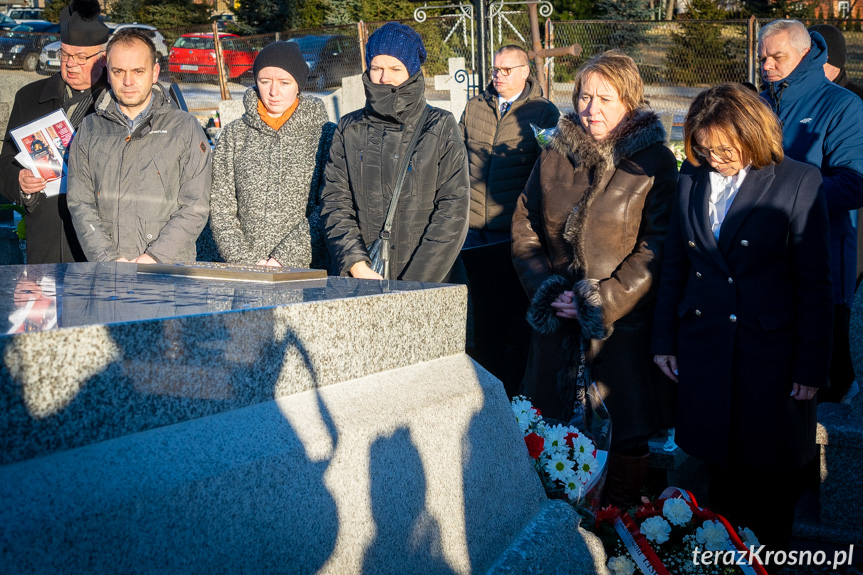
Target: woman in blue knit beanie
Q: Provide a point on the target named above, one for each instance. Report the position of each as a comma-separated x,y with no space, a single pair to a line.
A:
399,42
369,154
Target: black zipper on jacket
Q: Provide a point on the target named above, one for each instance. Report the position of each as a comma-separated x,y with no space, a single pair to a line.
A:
491,155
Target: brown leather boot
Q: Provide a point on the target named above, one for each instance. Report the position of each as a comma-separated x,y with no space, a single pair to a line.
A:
625,480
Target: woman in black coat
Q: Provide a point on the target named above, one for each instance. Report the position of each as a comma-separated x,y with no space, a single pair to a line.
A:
744,318
431,220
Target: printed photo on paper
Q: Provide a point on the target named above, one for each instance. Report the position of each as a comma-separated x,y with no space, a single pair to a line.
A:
45,143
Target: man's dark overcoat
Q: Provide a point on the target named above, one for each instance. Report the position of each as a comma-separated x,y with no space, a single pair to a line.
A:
50,235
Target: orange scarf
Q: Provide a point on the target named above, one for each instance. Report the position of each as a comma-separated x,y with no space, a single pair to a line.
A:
276,123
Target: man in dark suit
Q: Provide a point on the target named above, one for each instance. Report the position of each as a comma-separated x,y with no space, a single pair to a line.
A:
50,234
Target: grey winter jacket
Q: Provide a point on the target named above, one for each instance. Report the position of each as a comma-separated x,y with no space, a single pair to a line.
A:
147,191
266,186
431,221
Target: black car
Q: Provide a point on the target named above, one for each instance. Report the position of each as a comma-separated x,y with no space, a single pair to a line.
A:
20,46
330,58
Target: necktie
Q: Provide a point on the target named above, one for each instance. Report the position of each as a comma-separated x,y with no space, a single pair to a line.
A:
504,108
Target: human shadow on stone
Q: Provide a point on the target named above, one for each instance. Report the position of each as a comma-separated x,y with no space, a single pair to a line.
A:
407,537
233,492
490,464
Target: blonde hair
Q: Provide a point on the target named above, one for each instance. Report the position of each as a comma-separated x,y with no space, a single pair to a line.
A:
620,71
739,114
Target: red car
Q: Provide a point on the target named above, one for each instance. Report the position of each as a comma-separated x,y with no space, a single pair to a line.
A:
195,54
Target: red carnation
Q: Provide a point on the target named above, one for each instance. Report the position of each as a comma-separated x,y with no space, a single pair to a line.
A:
534,444
607,514
536,409
647,511
569,437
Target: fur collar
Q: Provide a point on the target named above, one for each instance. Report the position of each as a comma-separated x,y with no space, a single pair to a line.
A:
641,131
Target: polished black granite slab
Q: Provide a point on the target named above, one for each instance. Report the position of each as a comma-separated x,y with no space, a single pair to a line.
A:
38,298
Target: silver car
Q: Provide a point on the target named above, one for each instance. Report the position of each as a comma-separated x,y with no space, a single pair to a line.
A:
49,59
24,15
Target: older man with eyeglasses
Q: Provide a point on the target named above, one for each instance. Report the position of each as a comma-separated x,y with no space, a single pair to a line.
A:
50,235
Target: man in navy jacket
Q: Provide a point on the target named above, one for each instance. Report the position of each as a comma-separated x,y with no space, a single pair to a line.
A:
822,125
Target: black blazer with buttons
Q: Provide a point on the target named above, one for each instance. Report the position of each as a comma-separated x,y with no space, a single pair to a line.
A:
747,316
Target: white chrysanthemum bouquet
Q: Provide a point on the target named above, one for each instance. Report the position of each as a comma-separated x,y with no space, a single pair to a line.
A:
673,536
566,459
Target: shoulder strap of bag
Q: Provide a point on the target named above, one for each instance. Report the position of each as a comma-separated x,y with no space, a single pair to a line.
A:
406,160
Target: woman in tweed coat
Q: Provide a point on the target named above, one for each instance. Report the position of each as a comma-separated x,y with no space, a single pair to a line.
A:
265,202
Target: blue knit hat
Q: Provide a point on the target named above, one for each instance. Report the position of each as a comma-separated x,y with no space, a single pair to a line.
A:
399,41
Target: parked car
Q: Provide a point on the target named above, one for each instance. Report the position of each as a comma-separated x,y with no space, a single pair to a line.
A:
49,59
151,31
195,54
6,23
20,47
24,15
223,21
330,58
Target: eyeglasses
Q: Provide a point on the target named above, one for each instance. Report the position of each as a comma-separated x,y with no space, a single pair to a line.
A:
77,58
726,154
503,71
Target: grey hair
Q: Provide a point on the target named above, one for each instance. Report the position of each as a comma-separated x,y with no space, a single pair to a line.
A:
798,35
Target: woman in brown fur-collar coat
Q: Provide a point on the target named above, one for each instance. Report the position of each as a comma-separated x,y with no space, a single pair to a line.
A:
587,239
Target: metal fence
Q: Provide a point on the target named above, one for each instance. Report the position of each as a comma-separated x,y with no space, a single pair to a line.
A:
332,52
677,58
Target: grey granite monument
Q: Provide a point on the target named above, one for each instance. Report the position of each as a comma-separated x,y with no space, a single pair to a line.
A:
157,424
840,439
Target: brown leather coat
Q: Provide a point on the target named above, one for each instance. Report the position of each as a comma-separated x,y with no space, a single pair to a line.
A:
593,219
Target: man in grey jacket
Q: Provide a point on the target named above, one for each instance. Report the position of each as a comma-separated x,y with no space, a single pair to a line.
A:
139,169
